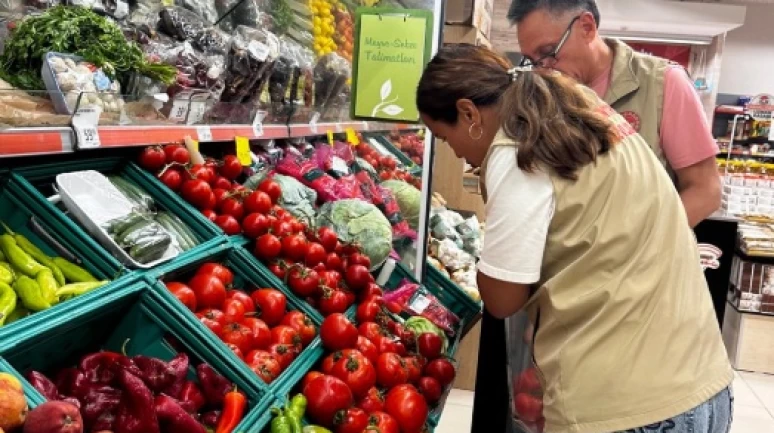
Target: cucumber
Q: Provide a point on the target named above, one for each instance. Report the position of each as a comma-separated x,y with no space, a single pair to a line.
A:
141,198
150,248
118,225
166,222
138,236
183,229
122,238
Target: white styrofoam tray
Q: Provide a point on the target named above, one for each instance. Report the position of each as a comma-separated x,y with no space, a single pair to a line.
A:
93,201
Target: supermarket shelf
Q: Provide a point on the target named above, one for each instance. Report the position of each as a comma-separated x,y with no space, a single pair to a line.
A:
304,130
36,141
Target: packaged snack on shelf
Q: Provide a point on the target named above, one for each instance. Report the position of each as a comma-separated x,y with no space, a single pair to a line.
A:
75,83
251,53
415,300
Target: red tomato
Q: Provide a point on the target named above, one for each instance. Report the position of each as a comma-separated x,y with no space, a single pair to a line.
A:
431,389
391,370
331,360
271,304
232,206
267,247
234,310
279,268
172,178
333,301
358,258
442,370
357,277
337,332
213,319
228,224
281,228
286,335
389,344
294,247
528,407
152,158
373,401
371,331
328,238
302,324
220,195
231,168
221,183
285,354
383,423
315,254
357,372
184,294
408,407
429,345
272,189
210,214
326,395
528,381
371,290
334,262
242,297
312,375
414,368
303,282
352,420
255,355
330,279
177,153
223,273
203,172
368,349
267,368
368,312
239,335
261,332
209,289
258,202
236,351
255,225
198,193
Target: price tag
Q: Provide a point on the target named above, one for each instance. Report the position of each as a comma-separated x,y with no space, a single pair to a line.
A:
196,112
352,137
419,303
194,145
85,122
204,132
258,123
313,122
179,110
243,151
330,137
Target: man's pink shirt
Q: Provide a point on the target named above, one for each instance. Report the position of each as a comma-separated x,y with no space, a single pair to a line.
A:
686,137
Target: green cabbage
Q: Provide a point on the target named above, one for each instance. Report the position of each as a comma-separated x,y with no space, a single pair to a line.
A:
296,198
357,221
409,200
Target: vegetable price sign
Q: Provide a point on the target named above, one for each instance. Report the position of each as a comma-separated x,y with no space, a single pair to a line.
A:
391,49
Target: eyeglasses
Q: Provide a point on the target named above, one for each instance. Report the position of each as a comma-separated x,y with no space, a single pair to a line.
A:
549,60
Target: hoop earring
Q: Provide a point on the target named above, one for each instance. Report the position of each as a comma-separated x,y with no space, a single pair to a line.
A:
470,132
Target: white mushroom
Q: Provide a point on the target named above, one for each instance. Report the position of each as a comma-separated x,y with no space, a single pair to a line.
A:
67,81
70,63
57,64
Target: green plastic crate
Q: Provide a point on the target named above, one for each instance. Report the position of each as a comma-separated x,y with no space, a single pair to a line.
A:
18,209
245,277
137,322
453,296
33,397
34,179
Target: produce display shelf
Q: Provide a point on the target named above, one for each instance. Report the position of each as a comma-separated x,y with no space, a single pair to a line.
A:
35,141
305,130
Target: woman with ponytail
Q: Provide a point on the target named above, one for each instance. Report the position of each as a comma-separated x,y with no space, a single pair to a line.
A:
587,234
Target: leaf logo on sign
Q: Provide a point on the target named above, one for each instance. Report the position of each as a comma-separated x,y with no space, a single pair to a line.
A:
386,106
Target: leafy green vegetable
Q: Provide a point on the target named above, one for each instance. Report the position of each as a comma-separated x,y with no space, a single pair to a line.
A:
360,222
296,198
409,200
283,16
79,31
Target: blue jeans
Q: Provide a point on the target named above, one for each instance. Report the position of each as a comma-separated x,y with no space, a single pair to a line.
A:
712,416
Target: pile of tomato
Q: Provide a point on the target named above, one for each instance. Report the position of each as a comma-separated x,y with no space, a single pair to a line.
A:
528,399
376,376
411,144
387,166
256,326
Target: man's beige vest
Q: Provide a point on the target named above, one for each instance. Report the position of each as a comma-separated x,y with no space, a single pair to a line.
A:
627,334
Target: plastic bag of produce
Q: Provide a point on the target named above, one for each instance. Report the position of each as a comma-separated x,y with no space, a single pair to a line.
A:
360,222
417,301
409,200
203,8
303,90
82,84
250,13
145,13
331,74
117,9
307,171
297,198
451,255
278,95
251,53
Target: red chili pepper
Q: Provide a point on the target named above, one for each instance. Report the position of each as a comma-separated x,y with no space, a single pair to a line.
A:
233,410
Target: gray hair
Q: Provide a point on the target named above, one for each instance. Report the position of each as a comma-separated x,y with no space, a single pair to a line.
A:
521,8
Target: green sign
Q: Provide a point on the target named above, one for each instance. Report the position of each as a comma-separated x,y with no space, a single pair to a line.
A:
392,47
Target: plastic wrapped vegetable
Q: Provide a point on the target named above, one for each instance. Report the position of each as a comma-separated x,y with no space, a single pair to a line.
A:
203,8
297,198
451,255
356,221
409,200
330,78
252,52
417,301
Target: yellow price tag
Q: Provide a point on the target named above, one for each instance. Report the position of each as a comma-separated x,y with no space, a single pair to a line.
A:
195,145
330,137
243,151
352,137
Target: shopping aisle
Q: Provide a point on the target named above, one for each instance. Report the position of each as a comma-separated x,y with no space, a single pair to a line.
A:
753,411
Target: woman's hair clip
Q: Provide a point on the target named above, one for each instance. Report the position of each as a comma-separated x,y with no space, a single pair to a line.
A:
517,70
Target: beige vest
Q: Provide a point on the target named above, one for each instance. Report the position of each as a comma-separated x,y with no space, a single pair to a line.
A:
627,334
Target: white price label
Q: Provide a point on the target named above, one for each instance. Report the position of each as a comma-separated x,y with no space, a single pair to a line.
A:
85,122
179,110
419,304
313,122
196,112
204,132
258,123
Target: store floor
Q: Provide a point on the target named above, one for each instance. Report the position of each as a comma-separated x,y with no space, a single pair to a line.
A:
753,408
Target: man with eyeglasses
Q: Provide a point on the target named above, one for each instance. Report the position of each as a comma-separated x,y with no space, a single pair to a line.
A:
654,95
